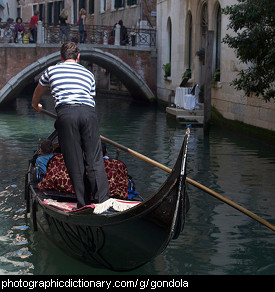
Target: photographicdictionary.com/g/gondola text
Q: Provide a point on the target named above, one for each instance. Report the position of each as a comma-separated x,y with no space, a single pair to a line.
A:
139,284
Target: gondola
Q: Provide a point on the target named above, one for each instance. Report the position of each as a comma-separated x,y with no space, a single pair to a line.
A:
117,240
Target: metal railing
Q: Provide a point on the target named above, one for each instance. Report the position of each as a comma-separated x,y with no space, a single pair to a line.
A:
96,34
100,34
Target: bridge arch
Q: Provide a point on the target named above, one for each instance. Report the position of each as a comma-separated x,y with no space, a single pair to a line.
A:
132,81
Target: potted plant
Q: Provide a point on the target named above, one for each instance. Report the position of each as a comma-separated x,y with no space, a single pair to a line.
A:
216,77
167,70
185,77
187,74
201,54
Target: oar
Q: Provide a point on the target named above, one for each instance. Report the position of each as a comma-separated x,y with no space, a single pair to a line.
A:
189,180
194,183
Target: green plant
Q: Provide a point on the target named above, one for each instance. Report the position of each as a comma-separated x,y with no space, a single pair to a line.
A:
251,23
187,74
216,77
167,69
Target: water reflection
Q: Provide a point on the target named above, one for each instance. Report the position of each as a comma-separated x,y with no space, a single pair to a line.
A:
14,245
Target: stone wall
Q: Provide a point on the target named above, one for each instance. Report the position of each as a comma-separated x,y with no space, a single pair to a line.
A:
230,103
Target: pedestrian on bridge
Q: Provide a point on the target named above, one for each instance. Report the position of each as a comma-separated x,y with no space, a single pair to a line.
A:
82,26
33,25
63,26
123,34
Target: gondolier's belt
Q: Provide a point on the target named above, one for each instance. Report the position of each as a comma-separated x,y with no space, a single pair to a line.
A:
72,105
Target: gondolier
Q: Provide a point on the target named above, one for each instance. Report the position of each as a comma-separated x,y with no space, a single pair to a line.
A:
73,88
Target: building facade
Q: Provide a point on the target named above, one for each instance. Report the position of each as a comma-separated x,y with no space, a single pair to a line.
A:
8,9
134,13
182,27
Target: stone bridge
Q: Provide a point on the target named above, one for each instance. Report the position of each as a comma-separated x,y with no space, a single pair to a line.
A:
134,66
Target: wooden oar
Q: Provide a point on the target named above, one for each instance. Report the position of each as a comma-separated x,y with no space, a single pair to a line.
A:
194,183
190,181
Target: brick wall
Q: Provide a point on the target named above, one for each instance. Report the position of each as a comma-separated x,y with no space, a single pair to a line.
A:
14,58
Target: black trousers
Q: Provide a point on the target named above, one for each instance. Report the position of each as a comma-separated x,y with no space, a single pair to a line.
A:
80,143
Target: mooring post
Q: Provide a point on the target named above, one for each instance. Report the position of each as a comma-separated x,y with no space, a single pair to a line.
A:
208,78
117,35
39,32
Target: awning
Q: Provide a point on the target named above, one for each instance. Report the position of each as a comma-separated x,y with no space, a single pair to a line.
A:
2,3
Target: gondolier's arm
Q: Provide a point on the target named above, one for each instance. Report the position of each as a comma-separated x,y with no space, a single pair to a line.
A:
38,93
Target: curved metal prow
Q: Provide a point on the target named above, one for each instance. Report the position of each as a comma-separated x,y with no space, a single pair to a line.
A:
183,201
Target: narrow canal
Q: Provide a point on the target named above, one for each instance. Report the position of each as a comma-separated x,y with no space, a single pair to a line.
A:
217,239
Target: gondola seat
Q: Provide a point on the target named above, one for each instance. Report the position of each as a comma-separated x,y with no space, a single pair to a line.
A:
117,176
57,177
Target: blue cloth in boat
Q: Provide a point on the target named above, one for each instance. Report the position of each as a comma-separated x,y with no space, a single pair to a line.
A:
42,163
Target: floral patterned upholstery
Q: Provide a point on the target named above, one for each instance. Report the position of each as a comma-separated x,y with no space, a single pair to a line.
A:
117,176
57,177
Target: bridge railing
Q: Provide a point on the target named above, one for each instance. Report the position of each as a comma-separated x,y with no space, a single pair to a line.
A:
100,34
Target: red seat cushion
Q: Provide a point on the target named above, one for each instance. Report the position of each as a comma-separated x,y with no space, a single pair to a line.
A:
56,176
117,176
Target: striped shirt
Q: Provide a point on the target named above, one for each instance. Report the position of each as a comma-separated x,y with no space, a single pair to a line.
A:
70,83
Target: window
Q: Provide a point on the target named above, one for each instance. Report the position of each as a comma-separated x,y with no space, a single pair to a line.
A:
91,6
103,6
18,12
218,39
74,12
119,3
82,4
204,24
189,41
53,11
131,2
58,6
169,44
42,12
34,8
50,12
169,28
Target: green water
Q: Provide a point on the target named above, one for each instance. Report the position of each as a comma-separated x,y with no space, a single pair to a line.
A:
217,239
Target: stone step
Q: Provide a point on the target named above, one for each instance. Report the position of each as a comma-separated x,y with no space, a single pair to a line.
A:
195,116
191,119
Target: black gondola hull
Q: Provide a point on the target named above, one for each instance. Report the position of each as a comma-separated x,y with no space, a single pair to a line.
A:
122,241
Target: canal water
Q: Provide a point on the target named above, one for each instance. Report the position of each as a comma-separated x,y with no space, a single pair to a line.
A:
216,240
